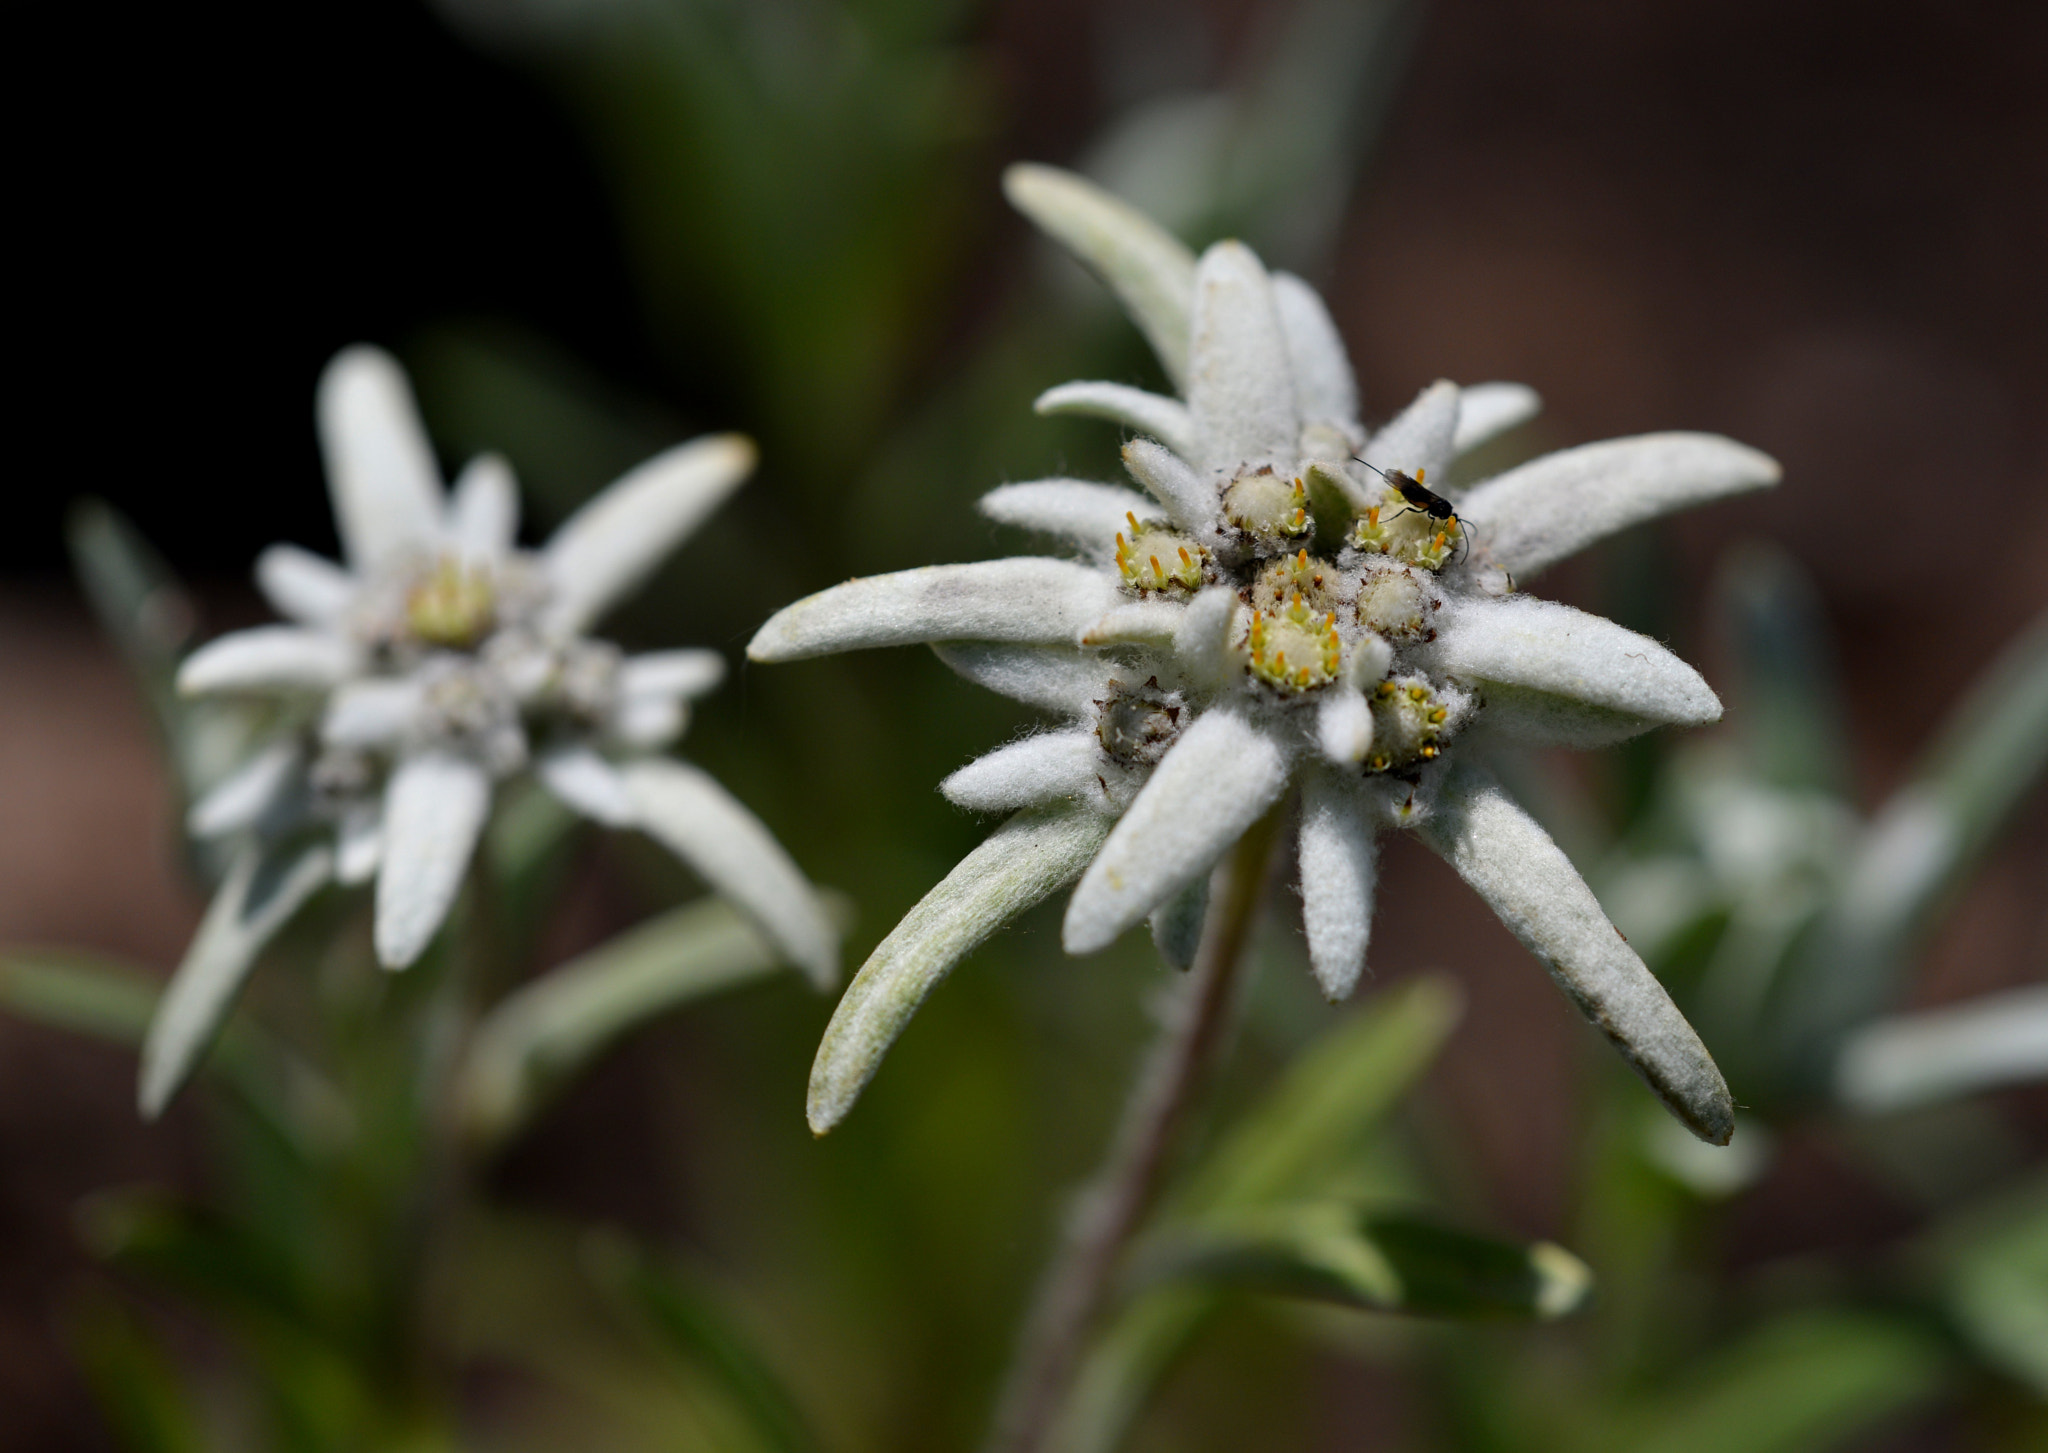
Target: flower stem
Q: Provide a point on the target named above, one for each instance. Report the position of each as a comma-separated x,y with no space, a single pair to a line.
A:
1076,1282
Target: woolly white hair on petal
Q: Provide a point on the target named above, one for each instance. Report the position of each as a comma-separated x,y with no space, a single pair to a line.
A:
1240,383
1191,500
434,810
381,473
483,509
1075,510
248,793
304,588
1344,725
1201,639
1535,515
1136,623
1057,678
1212,784
1534,889
685,673
1042,768
267,658
359,843
1543,646
1165,419
1488,410
585,781
1418,441
1339,860
1027,598
372,713
1323,384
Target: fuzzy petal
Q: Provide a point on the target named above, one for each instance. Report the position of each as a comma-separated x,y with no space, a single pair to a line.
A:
608,547
1535,515
1419,440
1533,887
373,713
1165,419
1088,515
359,843
1488,410
1240,386
243,799
1026,598
1542,646
483,509
1201,639
1137,623
1029,858
1152,275
267,658
304,588
1323,384
648,723
1192,501
1057,678
259,896
688,813
684,674
588,783
1212,784
1339,869
434,810
381,471
1042,768
1344,725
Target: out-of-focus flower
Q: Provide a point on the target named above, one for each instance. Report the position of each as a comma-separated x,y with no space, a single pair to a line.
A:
440,660
1289,604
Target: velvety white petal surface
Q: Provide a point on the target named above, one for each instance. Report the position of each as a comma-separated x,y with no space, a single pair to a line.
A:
1534,889
1057,678
1419,438
1543,646
1150,272
687,812
373,713
1027,859
1535,515
248,793
1088,515
648,722
359,843
1533,718
607,548
1191,501
304,588
1240,384
1177,924
1136,623
588,783
259,895
381,471
1212,784
483,509
434,811
1344,725
267,658
687,673
1339,868
1201,640
1323,385
1908,1060
1165,419
1026,598
1042,768
1488,410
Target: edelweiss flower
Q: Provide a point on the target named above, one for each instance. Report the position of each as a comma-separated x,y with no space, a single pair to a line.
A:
1275,611
442,660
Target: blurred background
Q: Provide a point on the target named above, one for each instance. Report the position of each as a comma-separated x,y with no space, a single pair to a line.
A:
592,229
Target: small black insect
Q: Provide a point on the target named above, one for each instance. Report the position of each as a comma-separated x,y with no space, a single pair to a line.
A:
1421,500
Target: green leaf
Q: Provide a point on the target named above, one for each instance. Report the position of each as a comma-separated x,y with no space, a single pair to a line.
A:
1996,1284
102,998
1808,1382
1788,696
1377,1261
138,1388
539,1036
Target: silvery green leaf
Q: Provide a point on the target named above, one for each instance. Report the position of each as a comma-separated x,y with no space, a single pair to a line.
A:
260,894
1917,1059
1150,272
1165,419
1488,410
434,810
1788,683
1538,513
1025,860
102,997
249,794
1995,1282
550,1028
1178,922
1536,892
690,814
381,472
609,546
1027,598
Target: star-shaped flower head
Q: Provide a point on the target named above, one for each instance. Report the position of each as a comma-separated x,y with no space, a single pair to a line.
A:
439,661
1290,604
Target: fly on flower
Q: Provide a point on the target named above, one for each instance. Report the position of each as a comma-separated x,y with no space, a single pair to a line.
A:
1286,578
439,661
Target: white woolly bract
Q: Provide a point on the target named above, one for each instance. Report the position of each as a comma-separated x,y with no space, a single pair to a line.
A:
1213,783
1543,646
1344,725
1240,384
1533,516
672,674
1339,867
1061,679
434,809
585,781
1419,439
1026,860
248,793
381,472
1324,390
267,658
1534,889
483,510
1488,410
1042,768
303,587
1027,598
1188,499
1084,514
1165,419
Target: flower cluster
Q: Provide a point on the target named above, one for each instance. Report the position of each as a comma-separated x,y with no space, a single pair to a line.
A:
1292,603
441,660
